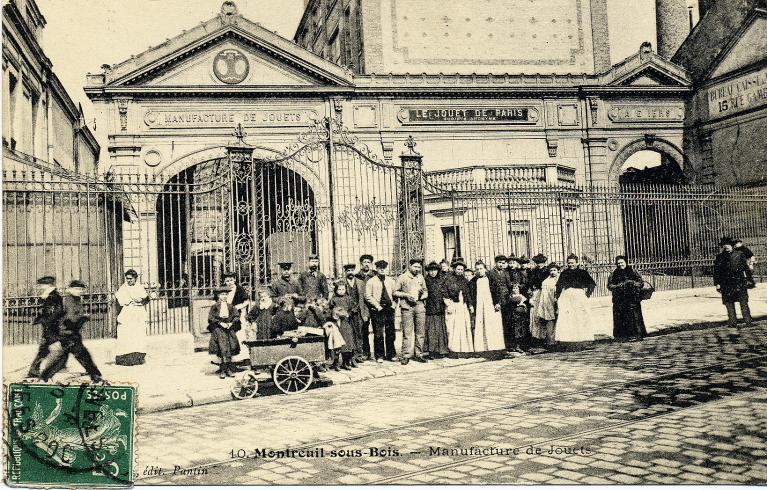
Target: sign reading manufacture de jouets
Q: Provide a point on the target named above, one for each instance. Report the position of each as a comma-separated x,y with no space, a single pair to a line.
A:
185,118
442,115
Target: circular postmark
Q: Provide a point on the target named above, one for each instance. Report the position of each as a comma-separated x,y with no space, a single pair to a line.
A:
231,66
62,434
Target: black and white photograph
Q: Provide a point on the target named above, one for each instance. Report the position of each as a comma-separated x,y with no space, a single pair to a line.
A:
384,242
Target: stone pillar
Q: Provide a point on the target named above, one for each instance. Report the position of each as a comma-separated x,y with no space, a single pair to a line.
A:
672,24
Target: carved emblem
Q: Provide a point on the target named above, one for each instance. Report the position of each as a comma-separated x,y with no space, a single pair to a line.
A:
231,66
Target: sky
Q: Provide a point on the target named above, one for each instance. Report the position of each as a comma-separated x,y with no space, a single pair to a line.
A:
82,35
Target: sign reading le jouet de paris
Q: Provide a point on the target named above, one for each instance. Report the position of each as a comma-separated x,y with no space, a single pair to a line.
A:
425,115
186,118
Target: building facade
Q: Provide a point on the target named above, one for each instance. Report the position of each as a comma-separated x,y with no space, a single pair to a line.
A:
41,123
726,118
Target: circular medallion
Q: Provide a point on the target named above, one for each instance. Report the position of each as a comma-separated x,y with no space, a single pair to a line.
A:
152,158
230,66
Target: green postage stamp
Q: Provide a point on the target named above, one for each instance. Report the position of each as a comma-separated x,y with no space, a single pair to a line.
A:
77,435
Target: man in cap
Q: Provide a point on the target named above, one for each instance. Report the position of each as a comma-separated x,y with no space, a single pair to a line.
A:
70,335
49,316
411,292
284,285
732,282
358,312
364,274
378,295
312,283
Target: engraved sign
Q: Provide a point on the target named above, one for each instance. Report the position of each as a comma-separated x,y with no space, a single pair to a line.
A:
737,95
646,113
165,119
442,115
230,66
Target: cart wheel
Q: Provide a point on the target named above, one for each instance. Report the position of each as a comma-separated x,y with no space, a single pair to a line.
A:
245,386
292,375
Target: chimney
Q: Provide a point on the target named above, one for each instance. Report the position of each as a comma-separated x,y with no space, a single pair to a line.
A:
672,24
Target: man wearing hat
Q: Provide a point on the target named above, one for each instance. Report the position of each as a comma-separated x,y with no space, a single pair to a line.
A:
358,312
70,335
364,274
283,285
49,316
731,280
312,283
411,292
378,295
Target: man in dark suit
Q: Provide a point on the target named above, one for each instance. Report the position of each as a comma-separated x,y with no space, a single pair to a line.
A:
313,283
499,275
284,285
358,312
49,317
366,272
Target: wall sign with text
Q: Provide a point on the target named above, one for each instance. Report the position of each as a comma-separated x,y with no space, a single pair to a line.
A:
212,118
452,115
646,113
738,95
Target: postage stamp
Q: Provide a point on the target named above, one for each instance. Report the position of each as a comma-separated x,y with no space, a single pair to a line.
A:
79,435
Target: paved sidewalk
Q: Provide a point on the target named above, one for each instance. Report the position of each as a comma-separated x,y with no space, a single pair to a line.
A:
183,381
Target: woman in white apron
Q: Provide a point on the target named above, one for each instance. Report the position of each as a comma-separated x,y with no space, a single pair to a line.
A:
574,316
485,301
131,321
455,292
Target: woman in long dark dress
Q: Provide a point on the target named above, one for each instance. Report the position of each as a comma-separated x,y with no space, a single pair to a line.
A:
625,284
436,328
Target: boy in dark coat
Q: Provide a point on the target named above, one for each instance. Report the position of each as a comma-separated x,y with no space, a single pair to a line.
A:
49,316
70,335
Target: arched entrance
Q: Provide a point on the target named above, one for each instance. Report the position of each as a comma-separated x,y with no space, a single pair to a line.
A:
205,210
655,224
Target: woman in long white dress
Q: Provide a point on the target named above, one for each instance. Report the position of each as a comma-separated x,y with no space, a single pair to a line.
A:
454,293
574,318
485,302
131,321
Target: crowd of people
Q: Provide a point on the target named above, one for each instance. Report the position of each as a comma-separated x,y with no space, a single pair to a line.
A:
514,307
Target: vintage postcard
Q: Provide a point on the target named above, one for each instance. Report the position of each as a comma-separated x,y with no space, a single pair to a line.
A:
342,242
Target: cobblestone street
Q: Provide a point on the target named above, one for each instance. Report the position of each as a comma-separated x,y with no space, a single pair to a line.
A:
687,407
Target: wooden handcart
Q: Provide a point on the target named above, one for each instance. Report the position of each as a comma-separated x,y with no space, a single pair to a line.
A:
292,362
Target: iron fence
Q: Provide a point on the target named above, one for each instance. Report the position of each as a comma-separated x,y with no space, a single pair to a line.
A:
669,232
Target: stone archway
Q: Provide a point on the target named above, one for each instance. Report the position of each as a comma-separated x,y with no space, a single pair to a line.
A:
667,150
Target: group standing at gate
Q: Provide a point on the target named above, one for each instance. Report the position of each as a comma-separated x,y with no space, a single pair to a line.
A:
445,310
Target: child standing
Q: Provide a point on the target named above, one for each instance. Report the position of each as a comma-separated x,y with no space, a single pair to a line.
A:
520,318
223,333
546,307
285,319
335,340
341,300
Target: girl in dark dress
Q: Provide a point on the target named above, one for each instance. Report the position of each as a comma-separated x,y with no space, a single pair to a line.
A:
436,328
341,300
625,284
223,328
284,320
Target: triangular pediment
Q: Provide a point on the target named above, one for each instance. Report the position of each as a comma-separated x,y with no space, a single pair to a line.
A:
227,50
231,63
748,48
645,68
